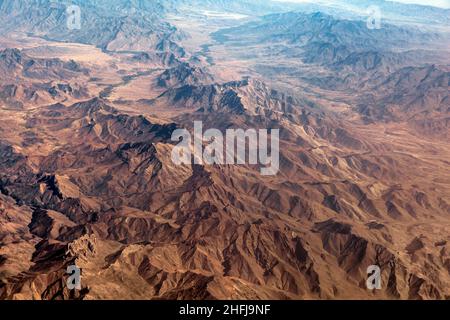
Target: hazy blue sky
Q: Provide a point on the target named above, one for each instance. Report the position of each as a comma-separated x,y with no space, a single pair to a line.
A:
436,3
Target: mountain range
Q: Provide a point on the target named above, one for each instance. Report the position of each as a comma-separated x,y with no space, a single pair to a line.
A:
87,179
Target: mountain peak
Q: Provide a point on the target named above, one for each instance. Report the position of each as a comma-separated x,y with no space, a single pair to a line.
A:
94,105
11,55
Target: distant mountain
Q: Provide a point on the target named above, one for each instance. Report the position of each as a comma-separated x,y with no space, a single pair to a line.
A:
28,80
397,12
299,27
411,93
347,56
14,63
116,25
318,30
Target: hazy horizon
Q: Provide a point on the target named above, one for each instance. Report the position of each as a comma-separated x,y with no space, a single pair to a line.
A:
434,3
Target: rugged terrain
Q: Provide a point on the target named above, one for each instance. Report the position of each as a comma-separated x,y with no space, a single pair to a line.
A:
86,176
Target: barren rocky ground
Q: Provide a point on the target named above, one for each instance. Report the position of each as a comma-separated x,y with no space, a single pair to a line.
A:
86,176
